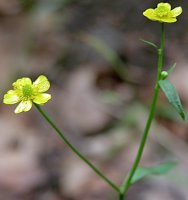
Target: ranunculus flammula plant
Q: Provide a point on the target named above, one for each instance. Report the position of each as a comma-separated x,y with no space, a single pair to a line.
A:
26,93
163,13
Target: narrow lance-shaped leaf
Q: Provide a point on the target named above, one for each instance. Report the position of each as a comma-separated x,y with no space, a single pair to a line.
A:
143,172
170,70
149,43
172,96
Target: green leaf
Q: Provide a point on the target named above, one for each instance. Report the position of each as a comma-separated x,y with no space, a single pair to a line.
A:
143,172
150,43
170,70
172,96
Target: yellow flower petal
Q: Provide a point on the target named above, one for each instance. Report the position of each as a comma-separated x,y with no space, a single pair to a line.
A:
150,14
23,106
42,84
166,6
21,82
11,97
168,20
42,98
176,11
164,19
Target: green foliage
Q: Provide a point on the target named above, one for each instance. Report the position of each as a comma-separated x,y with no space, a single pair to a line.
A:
172,96
161,169
170,70
149,43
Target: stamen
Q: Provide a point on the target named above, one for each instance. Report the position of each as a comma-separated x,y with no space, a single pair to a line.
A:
162,11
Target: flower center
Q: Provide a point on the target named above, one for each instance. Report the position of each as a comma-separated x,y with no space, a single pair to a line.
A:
27,90
162,11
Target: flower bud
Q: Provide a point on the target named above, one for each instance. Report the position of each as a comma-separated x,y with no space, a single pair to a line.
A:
164,75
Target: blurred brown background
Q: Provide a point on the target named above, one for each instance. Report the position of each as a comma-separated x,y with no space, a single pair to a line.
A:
102,79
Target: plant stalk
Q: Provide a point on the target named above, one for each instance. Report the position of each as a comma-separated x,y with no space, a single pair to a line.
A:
127,183
121,194
75,150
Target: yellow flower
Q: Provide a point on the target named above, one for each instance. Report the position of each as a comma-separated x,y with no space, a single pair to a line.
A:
26,92
163,13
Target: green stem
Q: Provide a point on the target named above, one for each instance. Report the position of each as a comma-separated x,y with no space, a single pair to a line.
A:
121,195
60,133
126,184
